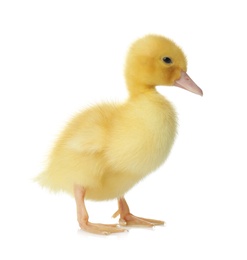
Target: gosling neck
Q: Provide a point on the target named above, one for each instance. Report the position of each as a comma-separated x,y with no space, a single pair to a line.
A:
137,88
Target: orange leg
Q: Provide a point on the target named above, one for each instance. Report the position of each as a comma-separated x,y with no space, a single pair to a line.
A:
82,216
128,219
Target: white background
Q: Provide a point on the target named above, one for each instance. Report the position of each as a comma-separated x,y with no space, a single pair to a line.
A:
57,57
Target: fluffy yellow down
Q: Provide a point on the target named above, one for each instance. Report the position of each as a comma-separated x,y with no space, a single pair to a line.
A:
108,148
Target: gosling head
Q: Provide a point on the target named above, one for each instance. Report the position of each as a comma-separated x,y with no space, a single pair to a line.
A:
155,60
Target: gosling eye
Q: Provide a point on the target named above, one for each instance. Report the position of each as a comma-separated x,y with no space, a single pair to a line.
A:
167,60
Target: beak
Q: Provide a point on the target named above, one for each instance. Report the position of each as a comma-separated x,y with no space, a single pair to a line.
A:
187,83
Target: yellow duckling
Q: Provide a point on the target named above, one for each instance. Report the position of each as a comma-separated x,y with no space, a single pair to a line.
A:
105,150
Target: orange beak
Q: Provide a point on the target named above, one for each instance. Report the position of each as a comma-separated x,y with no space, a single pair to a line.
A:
187,83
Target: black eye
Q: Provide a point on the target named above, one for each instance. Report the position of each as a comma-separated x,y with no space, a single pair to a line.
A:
167,60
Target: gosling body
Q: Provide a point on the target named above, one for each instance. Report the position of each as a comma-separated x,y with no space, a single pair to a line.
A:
109,148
